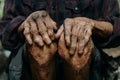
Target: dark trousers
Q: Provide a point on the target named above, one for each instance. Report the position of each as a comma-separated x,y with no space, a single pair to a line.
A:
19,68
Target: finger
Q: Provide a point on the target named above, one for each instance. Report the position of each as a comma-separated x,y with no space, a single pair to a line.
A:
51,34
38,40
53,23
80,39
80,46
27,33
68,24
20,28
50,26
59,32
43,31
35,34
74,39
87,34
85,38
88,47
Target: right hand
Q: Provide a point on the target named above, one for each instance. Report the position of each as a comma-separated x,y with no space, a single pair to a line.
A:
76,61
38,28
76,30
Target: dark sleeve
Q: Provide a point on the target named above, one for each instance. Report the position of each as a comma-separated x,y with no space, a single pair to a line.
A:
110,12
15,12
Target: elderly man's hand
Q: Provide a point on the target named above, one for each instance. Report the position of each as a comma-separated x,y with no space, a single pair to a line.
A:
38,28
76,30
76,61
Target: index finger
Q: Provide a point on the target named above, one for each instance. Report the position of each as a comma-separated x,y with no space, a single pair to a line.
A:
43,31
51,26
59,32
73,45
68,24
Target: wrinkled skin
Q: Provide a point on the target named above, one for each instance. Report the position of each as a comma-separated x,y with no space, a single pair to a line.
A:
38,28
76,30
41,60
75,47
76,67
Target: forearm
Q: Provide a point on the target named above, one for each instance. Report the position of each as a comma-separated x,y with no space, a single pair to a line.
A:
10,35
102,28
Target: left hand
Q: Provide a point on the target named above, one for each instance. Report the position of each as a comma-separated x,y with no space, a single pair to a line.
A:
76,30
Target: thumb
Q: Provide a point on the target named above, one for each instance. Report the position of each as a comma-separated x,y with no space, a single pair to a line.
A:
59,32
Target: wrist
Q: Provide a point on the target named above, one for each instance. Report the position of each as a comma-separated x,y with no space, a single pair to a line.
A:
89,21
102,28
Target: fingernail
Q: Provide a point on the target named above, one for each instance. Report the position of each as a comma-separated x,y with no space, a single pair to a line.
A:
71,52
56,28
41,44
80,52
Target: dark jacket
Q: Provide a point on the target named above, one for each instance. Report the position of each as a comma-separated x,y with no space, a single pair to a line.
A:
16,11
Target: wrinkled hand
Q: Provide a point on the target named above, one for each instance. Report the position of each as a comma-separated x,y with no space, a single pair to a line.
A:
38,28
76,61
76,30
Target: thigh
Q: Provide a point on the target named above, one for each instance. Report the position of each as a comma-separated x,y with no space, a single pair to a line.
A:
96,65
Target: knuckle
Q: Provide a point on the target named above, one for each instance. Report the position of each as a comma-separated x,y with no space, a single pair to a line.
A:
22,25
35,15
90,33
67,19
68,22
